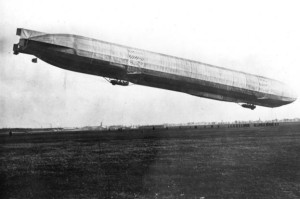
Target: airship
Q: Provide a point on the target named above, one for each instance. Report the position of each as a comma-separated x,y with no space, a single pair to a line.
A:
122,65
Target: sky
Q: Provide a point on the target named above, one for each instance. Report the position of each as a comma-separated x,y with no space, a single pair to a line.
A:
258,37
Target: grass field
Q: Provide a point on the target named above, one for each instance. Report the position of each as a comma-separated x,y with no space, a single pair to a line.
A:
179,163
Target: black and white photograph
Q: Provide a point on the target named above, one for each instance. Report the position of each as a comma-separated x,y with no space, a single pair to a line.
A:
150,99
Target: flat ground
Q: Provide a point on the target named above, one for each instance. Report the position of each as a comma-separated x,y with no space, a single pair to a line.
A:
173,163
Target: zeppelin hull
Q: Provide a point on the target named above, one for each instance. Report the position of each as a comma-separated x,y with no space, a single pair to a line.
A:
147,68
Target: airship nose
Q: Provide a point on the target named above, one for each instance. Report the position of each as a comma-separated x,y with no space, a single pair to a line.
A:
293,95
289,94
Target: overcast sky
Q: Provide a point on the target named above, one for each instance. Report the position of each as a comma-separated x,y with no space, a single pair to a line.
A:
259,37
